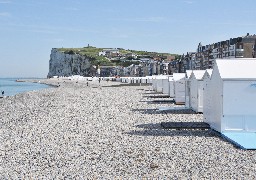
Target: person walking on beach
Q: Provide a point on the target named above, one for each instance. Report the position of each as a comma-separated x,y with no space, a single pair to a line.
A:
99,79
2,93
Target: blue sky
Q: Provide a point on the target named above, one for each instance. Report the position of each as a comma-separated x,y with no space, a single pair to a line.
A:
30,28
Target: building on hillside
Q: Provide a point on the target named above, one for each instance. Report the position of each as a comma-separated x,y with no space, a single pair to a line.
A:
170,58
173,67
157,58
109,53
146,67
131,55
165,68
107,71
240,47
135,70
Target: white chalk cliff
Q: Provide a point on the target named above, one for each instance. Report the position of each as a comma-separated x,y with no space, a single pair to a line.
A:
65,64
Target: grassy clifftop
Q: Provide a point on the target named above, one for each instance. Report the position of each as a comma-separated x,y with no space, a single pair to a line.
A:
86,51
93,54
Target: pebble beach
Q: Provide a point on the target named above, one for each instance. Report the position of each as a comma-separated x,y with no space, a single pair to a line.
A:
101,131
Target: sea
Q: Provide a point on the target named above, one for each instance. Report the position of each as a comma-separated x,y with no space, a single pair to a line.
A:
11,87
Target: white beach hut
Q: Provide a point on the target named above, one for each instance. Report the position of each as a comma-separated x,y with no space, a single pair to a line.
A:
179,87
196,90
232,93
139,79
144,80
171,86
207,76
122,79
154,83
187,88
166,85
159,83
128,80
149,79
131,80
118,79
188,73
135,80
206,97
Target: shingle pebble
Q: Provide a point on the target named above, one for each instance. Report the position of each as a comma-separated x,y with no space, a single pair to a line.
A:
77,131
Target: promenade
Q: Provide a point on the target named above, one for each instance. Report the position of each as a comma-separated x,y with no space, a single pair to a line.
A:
97,131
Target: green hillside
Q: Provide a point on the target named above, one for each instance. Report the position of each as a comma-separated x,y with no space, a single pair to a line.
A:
93,54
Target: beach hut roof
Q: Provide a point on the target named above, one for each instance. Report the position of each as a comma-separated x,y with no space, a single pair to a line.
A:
209,71
161,77
236,69
198,74
188,73
178,76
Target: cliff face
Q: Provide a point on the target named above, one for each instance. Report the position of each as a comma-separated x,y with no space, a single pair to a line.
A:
63,64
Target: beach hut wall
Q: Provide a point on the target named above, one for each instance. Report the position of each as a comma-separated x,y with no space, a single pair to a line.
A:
171,86
206,96
187,88
232,96
196,90
179,87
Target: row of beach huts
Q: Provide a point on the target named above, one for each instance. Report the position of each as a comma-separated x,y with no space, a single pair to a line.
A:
226,95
